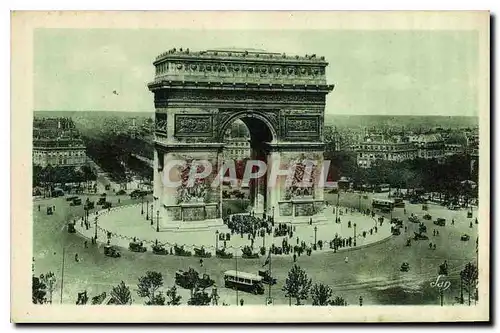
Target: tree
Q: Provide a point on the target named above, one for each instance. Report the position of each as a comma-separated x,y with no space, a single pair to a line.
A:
121,294
321,294
297,284
158,299
148,285
199,297
469,276
192,278
173,298
49,280
38,291
339,301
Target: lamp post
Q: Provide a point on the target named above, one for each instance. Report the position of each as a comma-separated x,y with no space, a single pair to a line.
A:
354,234
157,221
142,205
151,215
315,232
96,229
216,241
147,210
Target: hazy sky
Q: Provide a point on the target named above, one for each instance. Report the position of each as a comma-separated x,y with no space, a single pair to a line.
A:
390,72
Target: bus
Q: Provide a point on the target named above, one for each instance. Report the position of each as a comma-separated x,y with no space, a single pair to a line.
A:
398,202
383,204
244,281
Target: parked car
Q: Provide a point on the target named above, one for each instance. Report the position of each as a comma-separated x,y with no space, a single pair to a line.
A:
107,204
465,237
71,228
420,236
440,222
137,247
427,217
110,251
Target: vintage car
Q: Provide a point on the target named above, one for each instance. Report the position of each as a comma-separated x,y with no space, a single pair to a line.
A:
395,231
71,198
465,237
266,277
137,194
420,236
413,218
422,228
469,214
71,228
405,267
182,279
440,222
101,201
179,251
137,247
202,253
76,202
248,253
425,207
107,204
427,217
453,207
49,211
223,254
111,251
159,249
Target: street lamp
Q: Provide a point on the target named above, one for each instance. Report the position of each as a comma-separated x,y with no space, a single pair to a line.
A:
142,205
157,221
354,234
151,215
147,210
216,241
96,229
315,232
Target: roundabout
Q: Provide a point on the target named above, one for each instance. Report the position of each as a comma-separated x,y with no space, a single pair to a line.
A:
125,224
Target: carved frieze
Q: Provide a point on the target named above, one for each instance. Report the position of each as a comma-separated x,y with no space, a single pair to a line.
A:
302,126
161,122
193,125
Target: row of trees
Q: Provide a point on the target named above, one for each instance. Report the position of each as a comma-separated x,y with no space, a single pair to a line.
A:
299,286
416,173
49,175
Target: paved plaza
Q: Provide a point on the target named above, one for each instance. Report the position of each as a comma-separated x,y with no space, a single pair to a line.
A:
126,223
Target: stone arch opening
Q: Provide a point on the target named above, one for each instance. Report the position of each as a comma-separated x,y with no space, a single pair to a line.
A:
261,133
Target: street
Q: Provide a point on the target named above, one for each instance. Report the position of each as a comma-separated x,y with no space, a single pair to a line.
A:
370,272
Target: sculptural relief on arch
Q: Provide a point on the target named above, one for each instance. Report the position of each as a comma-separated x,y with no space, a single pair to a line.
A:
198,95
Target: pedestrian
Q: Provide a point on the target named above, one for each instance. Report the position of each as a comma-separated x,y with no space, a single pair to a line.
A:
452,221
242,302
38,207
54,208
470,225
434,246
294,257
76,257
434,232
430,245
476,221
346,260
437,232
85,244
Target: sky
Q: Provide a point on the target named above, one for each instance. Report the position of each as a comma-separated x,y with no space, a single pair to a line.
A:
374,72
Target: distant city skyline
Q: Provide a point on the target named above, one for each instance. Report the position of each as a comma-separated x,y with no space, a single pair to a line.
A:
375,73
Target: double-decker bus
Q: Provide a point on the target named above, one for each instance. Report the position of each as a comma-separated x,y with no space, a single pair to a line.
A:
244,281
383,204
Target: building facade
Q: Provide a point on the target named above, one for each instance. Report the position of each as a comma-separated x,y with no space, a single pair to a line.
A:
59,152
378,148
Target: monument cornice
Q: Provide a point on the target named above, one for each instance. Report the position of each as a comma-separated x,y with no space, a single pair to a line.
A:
240,86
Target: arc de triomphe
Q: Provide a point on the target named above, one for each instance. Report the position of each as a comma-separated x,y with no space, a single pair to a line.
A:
198,95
